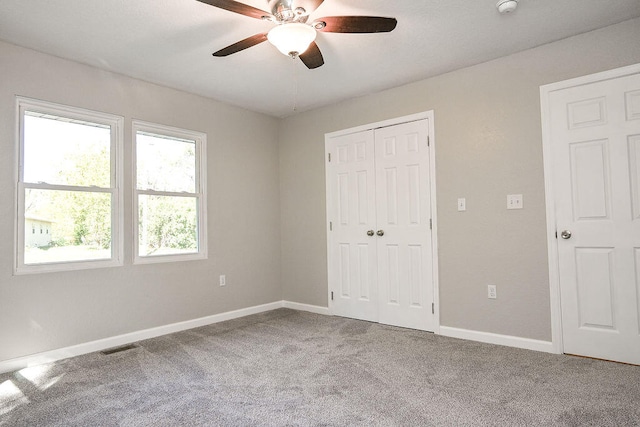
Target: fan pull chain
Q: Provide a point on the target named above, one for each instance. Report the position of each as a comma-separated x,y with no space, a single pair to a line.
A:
295,84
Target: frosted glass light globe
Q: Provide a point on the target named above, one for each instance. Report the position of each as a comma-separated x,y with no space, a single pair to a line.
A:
292,39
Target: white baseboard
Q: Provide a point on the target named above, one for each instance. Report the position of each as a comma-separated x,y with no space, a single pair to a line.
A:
490,338
306,307
98,345
102,344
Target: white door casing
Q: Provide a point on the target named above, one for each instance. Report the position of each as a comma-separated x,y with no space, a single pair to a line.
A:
381,179
592,168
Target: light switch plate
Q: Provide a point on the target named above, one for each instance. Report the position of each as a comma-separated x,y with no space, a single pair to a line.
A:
462,205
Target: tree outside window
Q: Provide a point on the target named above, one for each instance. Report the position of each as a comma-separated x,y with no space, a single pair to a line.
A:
68,166
169,193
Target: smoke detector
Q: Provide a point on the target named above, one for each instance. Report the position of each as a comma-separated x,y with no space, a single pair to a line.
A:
507,6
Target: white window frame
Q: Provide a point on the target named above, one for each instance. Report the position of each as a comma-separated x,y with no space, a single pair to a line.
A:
200,194
116,124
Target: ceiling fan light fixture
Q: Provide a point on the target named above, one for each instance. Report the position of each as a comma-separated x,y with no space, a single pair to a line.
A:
292,39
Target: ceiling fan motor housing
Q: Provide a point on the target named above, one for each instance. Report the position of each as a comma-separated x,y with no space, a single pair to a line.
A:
284,10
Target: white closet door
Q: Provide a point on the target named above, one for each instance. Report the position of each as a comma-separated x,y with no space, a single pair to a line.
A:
595,134
352,252
405,279
380,243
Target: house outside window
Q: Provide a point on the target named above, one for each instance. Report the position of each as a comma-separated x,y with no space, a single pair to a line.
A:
169,193
69,182
33,240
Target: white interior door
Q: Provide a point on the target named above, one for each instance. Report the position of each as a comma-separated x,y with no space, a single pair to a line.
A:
595,143
380,239
405,283
352,248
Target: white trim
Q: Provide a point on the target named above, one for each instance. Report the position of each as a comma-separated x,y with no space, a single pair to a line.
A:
592,78
115,124
200,194
434,222
425,115
552,243
102,344
497,339
328,212
306,307
385,123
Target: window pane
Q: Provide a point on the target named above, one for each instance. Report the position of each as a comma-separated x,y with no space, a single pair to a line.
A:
165,164
167,225
72,226
57,151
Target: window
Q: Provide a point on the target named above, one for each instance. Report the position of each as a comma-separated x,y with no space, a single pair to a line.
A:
169,194
69,178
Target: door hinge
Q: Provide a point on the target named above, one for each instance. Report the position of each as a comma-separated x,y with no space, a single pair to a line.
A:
433,308
556,234
329,154
330,225
428,141
430,224
331,295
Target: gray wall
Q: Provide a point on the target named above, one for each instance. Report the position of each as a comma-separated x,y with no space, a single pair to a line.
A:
267,197
41,312
488,145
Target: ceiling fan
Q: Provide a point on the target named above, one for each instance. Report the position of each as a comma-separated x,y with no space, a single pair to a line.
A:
293,36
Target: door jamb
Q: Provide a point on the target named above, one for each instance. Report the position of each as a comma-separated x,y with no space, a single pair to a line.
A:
552,242
429,116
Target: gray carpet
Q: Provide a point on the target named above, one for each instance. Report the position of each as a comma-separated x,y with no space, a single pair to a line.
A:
290,368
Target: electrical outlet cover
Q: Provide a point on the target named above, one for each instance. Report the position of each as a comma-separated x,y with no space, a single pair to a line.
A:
492,292
514,201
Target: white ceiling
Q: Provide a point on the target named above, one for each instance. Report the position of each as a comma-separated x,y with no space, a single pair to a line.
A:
170,42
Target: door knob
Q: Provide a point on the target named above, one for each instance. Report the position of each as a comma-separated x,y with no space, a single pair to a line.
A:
380,233
370,233
565,234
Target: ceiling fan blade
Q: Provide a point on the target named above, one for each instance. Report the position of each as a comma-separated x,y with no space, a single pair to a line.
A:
237,7
242,45
312,57
355,24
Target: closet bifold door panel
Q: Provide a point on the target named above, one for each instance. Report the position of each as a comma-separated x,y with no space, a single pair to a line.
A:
380,241
353,248
405,288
